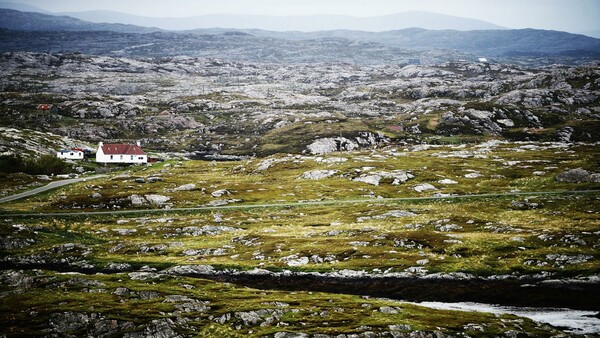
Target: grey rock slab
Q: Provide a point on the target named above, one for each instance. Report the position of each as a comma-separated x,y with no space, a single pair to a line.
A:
370,179
190,270
220,193
318,174
447,181
143,276
157,199
185,187
424,187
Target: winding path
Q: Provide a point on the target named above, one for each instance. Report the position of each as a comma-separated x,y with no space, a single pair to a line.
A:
49,186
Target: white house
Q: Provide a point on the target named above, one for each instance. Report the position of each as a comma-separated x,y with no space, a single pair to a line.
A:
121,153
73,154
482,60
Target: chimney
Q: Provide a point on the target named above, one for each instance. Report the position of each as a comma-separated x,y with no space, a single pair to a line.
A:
139,144
100,144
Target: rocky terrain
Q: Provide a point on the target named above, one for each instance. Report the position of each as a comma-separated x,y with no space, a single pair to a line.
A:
34,143
213,106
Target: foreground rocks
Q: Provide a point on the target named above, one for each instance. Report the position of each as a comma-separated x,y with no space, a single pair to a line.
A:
105,306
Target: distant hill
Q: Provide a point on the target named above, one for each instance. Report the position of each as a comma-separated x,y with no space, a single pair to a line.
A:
237,47
488,42
30,21
482,42
307,23
22,7
25,31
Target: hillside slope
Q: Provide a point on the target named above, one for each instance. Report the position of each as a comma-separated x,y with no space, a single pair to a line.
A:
31,21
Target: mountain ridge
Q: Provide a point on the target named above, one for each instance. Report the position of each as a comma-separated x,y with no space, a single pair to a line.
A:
305,23
133,40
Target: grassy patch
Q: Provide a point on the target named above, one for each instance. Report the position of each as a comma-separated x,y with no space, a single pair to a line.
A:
554,235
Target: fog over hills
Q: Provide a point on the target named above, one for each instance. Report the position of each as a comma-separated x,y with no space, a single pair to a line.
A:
306,23
31,21
310,23
22,7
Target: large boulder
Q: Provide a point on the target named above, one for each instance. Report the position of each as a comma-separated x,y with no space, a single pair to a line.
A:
329,145
137,200
576,175
157,199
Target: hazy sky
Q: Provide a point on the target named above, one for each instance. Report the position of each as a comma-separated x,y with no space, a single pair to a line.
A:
567,15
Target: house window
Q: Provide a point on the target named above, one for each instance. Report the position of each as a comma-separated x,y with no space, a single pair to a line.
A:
71,154
140,158
121,157
111,157
132,157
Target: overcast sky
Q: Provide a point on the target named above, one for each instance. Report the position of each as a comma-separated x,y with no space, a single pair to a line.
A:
567,15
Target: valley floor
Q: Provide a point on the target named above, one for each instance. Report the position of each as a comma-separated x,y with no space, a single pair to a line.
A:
194,258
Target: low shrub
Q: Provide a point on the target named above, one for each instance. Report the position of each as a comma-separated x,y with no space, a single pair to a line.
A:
43,165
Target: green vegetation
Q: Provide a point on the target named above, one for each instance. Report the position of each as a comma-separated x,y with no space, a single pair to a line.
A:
43,165
495,168
201,308
545,235
481,236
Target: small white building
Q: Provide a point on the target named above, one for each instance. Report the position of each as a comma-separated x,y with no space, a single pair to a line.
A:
73,154
120,153
482,60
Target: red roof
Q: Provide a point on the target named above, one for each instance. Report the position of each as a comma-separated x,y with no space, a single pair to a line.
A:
122,149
